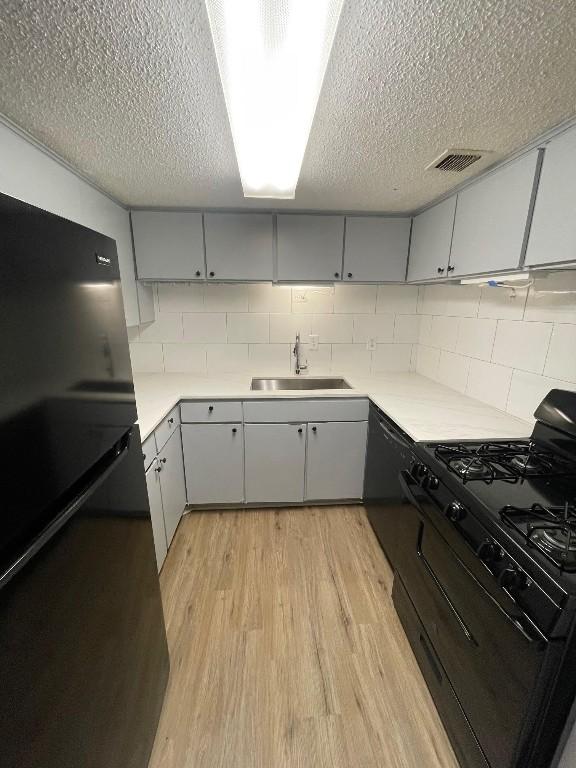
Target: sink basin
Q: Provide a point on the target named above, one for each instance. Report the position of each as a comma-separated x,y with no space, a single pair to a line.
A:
303,383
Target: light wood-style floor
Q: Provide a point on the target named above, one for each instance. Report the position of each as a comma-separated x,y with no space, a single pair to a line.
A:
286,650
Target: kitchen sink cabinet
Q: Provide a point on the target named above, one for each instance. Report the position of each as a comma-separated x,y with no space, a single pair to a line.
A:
375,249
168,245
492,217
553,231
335,458
274,460
239,246
156,511
213,463
172,483
309,247
430,242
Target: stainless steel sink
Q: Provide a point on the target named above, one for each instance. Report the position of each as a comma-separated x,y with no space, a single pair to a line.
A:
300,383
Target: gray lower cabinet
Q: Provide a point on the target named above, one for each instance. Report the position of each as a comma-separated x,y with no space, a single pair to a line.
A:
213,463
375,249
155,501
168,245
239,246
172,483
309,247
335,458
275,456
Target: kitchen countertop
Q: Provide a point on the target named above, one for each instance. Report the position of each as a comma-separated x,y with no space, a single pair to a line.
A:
424,409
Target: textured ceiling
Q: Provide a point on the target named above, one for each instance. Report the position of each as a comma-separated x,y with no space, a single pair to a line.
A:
128,92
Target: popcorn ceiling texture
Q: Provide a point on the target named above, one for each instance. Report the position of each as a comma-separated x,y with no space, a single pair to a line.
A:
129,93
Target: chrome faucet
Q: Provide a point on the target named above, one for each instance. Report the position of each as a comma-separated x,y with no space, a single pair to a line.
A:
297,354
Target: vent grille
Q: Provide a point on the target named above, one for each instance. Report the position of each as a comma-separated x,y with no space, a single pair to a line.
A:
456,160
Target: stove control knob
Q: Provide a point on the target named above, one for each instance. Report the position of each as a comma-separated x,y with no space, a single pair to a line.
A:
455,511
489,552
419,470
430,482
513,579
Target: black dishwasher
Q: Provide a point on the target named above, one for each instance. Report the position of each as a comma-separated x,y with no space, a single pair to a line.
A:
389,452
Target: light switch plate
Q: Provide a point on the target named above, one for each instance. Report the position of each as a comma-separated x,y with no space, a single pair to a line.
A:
313,342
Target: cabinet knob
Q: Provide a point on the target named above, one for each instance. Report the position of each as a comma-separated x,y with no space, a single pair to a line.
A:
314,429
299,430
211,274
336,274
198,273
158,469
210,408
350,274
440,270
234,430
451,268
170,421
163,461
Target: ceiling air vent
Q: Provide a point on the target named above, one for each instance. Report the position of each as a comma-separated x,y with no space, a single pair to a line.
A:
456,160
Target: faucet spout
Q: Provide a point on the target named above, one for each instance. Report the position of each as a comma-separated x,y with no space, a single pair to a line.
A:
297,352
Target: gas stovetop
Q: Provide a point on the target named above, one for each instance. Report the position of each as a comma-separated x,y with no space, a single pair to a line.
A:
551,530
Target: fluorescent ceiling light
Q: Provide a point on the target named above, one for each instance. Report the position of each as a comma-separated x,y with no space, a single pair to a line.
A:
272,56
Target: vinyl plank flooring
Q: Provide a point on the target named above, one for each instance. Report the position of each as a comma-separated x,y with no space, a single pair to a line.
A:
286,650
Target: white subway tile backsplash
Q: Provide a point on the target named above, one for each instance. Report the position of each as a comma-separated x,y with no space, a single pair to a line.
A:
502,303
476,337
333,329
227,358
283,328
166,327
184,358
427,361
406,329
313,300
489,383
453,370
444,332
205,328
528,390
319,360
377,327
263,297
226,298
425,332
353,358
397,299
450,300
561,360
147,358
392,358
248,328
269,359
180,297
355,298
522,345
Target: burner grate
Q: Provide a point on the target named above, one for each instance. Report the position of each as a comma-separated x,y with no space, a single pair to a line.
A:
551,530
508,461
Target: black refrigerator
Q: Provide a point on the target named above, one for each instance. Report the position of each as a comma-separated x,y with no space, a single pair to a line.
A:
83,653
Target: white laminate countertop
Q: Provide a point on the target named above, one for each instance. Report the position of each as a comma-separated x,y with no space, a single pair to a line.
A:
424,409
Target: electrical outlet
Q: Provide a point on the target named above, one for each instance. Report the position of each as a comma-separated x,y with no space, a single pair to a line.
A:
313,342
300,297
371,345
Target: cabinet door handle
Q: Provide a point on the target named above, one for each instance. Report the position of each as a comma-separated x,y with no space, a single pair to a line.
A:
170,421
210,408
440,270
234,430
314,429
451,268
350,274
163,461
211,274
198,273
299,430
336,274
158,469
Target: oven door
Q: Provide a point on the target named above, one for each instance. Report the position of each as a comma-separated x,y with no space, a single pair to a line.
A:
492,657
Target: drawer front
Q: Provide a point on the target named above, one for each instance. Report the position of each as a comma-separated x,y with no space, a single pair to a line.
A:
295,410
166,427
149,450
216,411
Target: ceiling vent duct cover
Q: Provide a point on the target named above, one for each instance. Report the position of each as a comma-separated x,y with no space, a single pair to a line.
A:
456,160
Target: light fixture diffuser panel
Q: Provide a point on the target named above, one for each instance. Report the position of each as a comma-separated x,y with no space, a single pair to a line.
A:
272,57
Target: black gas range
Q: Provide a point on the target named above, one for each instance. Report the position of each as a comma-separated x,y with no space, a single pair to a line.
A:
492,586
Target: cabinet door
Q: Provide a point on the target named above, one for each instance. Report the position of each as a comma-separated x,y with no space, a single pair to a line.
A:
553,231
335,458
172,484
310,247
375,249
239,246
274,460
155,501
168,245
491,219
430,243
213,463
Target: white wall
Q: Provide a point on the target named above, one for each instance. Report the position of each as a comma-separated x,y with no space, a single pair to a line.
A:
506,349
251,328
29,174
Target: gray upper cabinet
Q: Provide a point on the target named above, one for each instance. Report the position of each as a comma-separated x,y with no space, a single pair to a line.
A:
491,219
430,243
239,246
168,245
553,232
375,249
310,247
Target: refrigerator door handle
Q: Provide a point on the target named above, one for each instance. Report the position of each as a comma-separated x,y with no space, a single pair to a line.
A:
62,518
